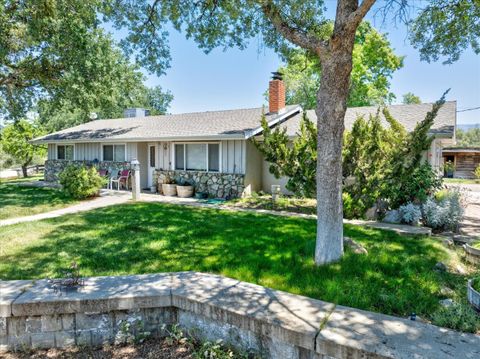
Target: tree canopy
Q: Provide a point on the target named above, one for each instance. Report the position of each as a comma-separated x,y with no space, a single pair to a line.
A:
57,61
15,142
374,62
470,138
410,99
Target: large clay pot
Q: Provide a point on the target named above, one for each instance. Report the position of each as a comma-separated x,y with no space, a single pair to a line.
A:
169,189
184,191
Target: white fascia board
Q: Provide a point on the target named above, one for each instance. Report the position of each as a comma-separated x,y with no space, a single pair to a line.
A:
280,118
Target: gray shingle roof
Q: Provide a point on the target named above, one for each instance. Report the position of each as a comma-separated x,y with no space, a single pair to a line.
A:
230,124
197,125
407,115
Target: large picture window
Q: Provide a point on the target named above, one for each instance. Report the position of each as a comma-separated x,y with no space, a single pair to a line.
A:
197,157
65,152
114,153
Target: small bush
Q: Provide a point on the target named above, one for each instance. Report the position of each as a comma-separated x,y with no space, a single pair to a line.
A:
410,213
81,182
458,316
477,172
445,212
352,209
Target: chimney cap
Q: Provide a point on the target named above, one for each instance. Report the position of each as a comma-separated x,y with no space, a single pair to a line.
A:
277,75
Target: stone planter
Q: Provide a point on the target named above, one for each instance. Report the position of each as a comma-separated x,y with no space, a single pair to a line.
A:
169,189
184,191
473,295
472,254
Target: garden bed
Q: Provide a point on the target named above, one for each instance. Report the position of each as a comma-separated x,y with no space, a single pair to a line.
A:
283,203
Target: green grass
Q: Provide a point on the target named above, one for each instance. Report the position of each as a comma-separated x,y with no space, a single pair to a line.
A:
461,180
18,201
396,277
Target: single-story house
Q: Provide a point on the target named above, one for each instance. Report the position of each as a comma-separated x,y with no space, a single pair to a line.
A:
211,149
465,160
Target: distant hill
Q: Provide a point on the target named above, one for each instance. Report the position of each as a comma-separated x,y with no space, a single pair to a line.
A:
466,127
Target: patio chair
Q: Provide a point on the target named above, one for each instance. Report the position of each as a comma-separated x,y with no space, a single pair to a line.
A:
112,177
123,178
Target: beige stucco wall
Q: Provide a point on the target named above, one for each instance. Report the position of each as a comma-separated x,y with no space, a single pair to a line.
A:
253,169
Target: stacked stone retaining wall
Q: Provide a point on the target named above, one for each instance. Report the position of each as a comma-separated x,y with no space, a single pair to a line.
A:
252,318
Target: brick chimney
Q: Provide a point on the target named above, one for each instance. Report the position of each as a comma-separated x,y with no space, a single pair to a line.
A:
276,94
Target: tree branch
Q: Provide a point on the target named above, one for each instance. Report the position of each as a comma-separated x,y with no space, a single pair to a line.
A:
357,16
294,35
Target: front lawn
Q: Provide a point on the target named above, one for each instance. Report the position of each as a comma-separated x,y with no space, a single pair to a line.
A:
20,200
283,203
396,277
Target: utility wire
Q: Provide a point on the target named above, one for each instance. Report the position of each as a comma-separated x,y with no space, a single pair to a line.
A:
469,109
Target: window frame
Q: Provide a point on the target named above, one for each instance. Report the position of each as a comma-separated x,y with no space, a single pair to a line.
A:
115,144
173,155
64,145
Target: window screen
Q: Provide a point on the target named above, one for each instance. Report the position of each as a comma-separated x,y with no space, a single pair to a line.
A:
213,157
119,153
61,152
152,156
108,153
196,155
69,152
179,159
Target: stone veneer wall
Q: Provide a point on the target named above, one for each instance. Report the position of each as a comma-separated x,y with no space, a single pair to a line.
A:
252,318
219,185
54,167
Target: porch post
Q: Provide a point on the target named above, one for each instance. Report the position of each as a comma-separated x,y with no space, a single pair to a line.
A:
135,166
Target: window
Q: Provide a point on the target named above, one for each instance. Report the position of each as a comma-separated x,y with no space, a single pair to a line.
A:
114,153
197,157
65,152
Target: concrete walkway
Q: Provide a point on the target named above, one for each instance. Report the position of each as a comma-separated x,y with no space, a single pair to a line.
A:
107,198
470,225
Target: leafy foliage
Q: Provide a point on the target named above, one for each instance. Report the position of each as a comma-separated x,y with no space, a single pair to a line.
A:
477,172
410,98
378,163
55,57
470,138
373,65
81,182
296,160
446,28
410,213
15,142
458,316
444,211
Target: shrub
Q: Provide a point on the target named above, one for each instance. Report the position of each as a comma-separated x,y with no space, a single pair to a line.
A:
445,212
458,316
410,213
81,182
477,172
352,209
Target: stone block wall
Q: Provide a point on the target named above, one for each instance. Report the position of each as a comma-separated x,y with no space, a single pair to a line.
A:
54,167
251,318
218,185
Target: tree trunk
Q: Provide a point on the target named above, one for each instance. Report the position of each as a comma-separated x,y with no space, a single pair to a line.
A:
331,107
25,171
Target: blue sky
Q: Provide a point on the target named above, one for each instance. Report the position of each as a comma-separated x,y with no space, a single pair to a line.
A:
238,79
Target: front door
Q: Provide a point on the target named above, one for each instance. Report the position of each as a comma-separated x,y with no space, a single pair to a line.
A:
151,163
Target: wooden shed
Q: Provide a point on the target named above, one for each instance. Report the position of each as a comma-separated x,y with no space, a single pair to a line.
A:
465,159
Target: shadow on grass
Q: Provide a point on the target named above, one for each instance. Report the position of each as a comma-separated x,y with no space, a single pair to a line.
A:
396,277
23,200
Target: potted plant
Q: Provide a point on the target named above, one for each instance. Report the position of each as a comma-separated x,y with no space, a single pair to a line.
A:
473,292
184,189
449,169
169,188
